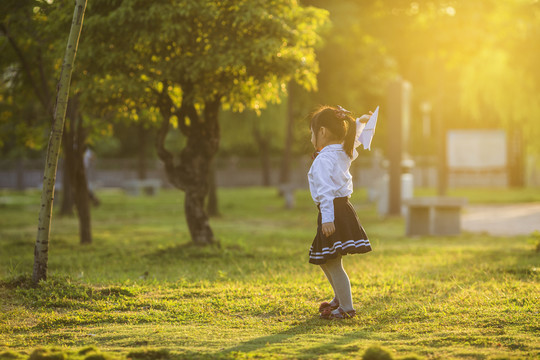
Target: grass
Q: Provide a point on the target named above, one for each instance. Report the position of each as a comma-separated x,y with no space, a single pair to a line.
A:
488,195
142,291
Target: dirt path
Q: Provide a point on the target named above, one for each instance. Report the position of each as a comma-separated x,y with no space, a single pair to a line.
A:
510,219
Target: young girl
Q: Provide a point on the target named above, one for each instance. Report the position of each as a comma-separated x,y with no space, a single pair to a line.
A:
334,136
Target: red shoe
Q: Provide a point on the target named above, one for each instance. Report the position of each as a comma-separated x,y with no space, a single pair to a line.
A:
342,314
326,305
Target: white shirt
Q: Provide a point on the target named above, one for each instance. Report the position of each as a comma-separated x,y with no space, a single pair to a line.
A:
329,176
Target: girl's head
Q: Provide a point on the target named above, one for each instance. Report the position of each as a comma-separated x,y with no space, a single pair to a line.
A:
330,124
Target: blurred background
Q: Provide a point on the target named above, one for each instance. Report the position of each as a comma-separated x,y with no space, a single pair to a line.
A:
469,102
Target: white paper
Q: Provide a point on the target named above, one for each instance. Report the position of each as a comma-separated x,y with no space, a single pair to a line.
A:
369,130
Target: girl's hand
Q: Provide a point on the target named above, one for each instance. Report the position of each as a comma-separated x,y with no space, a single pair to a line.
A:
365,118
328,228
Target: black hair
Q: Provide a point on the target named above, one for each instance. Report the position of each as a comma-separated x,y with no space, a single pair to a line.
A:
339,123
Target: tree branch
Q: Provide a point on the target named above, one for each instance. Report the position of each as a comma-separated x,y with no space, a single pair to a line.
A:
26,67
44,87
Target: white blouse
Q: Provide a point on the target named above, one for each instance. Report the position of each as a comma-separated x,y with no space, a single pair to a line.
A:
329,176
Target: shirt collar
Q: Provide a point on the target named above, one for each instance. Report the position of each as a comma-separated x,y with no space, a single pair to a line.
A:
332,147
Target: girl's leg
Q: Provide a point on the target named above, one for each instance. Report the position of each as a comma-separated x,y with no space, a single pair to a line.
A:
340,282
334,301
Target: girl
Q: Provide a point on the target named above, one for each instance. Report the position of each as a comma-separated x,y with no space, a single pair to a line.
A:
334,136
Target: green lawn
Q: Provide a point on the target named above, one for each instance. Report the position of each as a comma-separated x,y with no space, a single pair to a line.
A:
141,291
488,195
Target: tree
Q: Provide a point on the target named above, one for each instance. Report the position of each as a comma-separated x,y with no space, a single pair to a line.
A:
31,31
24,91
187,59
354,62
473,60
41,252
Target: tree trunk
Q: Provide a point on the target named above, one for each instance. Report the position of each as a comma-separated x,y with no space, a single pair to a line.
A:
285,173
82,202
81,194
41,251
198,154
20,174
197,219
191,173
212,204
265,154
265,159
66,208
141,154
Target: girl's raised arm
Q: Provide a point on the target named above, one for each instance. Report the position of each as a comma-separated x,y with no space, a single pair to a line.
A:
360,125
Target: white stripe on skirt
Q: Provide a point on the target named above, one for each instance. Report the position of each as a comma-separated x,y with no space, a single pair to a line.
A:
338,245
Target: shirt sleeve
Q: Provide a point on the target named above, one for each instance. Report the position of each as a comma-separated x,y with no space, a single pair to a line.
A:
359,128
325,185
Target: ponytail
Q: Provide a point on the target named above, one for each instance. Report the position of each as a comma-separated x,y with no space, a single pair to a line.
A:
339,122
348,144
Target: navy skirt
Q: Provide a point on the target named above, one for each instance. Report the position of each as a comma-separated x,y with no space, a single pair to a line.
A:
349,237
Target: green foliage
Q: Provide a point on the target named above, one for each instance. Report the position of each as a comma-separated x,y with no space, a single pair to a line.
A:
498,85
231,48
463,57
472,60
33,36
141,287
355,62
242,52
25,101
237,130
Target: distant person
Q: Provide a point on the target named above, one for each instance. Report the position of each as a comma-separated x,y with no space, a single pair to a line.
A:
89,159
334,136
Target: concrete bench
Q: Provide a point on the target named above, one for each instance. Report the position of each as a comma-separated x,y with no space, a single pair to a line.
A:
146,187
433,216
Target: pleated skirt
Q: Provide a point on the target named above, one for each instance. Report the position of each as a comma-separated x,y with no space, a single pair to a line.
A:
349,237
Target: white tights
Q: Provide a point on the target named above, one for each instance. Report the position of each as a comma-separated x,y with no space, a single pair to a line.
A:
333,269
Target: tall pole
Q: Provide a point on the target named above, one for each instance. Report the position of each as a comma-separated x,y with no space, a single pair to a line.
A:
285,173
41,252
442,170
398,111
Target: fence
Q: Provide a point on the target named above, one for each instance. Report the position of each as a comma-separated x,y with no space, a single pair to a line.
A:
239,172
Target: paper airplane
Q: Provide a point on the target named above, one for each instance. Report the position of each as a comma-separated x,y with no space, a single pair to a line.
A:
368,130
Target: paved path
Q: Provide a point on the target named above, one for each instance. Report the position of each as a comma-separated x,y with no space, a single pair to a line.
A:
510,219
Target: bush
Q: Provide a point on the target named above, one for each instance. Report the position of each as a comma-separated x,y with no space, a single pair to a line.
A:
376,353
149,355
48,354
8,355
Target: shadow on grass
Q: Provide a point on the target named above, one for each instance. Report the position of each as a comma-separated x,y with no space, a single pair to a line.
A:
192,251
308,326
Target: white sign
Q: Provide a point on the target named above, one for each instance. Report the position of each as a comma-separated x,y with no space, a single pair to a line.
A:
476,149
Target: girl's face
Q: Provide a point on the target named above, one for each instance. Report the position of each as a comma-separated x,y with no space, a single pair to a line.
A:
313,139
